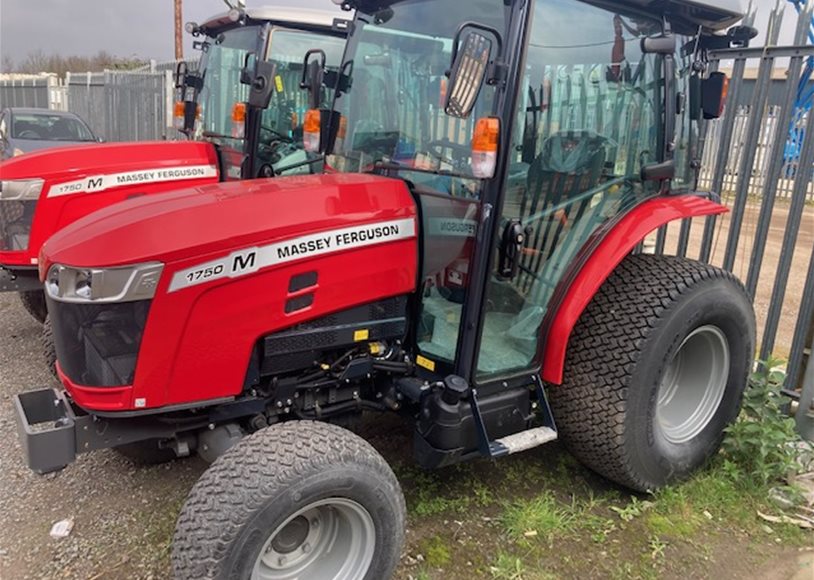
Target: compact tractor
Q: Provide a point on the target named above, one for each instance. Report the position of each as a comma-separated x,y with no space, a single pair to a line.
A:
469,257
42,193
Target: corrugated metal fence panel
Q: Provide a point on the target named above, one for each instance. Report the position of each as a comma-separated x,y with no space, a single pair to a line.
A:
86,98
26,92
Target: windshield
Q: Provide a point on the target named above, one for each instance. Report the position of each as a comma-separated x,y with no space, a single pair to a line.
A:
280,142
393,113
44,127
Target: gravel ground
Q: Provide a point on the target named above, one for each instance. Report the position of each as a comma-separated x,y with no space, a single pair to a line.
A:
123,515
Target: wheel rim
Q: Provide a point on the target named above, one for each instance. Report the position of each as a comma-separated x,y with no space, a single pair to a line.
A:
331,538
693,385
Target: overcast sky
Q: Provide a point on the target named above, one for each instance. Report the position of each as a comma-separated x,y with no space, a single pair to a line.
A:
144,28
125,28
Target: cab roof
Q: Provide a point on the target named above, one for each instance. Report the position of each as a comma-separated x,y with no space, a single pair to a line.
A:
687,15
284,16
708,14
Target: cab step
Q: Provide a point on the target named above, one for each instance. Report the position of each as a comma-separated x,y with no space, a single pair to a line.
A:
525,440
522,440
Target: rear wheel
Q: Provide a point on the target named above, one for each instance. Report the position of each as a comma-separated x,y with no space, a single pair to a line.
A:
655,370
34,303
295,500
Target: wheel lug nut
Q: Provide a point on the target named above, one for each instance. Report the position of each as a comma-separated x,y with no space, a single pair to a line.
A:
281,560
306,548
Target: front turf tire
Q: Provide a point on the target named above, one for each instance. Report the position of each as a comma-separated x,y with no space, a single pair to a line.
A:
34,303
653,317
247,507
49,351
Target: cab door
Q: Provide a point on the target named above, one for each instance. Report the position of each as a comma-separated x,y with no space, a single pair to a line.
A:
588,120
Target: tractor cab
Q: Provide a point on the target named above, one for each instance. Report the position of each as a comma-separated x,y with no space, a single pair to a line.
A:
246,96
537,142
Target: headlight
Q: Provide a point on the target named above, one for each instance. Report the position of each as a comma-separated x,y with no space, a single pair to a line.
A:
21,189
98,285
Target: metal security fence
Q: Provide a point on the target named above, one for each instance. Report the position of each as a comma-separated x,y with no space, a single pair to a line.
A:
126,105
43,91
760,159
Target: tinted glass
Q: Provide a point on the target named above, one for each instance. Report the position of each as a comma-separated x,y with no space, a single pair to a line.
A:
44,127
589,117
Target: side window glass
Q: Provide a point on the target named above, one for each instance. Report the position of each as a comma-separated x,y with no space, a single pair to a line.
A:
589,117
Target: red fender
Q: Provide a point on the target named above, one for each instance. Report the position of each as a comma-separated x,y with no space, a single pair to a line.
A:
617,243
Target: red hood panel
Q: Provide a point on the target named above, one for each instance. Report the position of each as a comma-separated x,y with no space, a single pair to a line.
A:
80,180
212,219
62,163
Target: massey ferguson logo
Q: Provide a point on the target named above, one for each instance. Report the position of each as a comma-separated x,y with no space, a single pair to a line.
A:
250,260
97,183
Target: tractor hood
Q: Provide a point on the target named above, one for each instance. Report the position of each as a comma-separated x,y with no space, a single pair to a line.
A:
62,164
201,222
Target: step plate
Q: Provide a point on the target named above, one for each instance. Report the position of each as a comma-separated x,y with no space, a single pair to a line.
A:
525,439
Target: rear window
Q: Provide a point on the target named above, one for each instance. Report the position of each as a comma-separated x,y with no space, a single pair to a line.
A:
44,127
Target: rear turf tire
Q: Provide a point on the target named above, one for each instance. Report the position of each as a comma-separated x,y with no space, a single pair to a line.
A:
49,353
265,493
655,370
34,303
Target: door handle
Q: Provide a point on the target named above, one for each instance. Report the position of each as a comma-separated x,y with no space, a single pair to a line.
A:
511,247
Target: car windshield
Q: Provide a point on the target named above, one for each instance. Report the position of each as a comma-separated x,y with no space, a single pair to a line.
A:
222,88
45,127
394,111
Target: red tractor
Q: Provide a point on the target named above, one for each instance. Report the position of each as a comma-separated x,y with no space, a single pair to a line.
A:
469,259
42,193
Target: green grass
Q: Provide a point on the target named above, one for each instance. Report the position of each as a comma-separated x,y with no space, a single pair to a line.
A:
436,553
541,517
508,567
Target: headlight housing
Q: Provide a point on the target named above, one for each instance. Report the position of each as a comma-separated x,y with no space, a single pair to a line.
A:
98,316
101,285
18,202
20,189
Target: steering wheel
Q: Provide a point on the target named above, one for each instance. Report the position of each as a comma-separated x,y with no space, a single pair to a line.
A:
276,135
28,134
461,153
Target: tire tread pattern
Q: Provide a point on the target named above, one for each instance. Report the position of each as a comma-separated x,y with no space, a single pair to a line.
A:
258,468
603,351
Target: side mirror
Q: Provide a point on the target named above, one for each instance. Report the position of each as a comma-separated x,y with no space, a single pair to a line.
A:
313,75
262,85
249,69
467,75
714,91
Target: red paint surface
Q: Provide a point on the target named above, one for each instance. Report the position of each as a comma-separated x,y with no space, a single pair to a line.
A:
68,164
617,244
198,340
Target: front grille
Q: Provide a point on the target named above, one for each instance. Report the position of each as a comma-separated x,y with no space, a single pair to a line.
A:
16,217
97,344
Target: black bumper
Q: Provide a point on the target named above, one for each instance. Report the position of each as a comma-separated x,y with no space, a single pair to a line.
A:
53,430
19,279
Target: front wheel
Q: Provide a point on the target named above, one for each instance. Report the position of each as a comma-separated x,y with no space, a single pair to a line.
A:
655,370
34,303
295,500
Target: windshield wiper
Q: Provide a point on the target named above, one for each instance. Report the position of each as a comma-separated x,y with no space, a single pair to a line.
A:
211,135
394,166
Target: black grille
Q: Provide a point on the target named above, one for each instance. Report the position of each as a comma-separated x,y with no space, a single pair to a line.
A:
97,344
16,218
